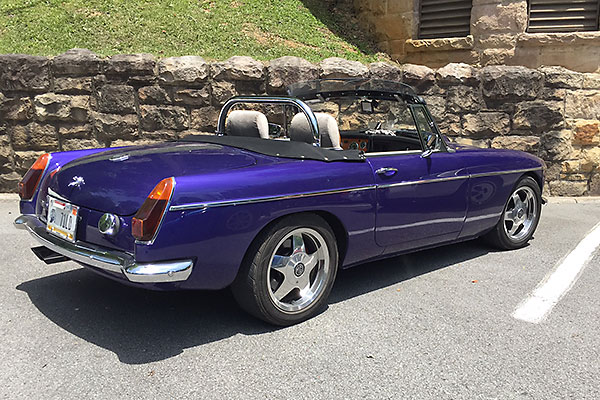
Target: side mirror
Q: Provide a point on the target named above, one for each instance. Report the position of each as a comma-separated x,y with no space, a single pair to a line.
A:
431,141
426,153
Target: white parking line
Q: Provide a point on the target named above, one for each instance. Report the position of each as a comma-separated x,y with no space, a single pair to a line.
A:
538,305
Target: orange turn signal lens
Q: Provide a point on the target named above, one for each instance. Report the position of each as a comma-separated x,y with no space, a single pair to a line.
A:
31,180
163,190
146,221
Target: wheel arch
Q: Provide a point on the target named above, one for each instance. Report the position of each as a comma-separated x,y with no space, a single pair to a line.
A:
496,238
536,177
530,174
340,232
338,228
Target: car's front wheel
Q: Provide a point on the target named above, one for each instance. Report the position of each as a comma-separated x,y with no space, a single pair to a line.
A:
289,270
520,216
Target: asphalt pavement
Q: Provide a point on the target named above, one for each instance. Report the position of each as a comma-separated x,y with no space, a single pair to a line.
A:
436,324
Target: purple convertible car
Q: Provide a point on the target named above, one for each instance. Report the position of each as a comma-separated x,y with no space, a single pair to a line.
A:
338,173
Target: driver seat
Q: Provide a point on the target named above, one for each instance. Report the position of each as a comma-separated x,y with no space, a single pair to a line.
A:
330,133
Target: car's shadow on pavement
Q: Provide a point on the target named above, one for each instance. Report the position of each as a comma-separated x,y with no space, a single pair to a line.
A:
143,326
375,275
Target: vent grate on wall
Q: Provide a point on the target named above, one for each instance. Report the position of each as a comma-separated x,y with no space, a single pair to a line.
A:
444,18
563,16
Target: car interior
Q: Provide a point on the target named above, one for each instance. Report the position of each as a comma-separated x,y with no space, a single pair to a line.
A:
361,123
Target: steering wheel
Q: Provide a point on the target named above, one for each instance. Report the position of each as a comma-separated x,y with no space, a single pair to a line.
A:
378,131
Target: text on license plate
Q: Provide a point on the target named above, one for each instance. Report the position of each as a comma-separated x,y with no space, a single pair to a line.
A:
62,219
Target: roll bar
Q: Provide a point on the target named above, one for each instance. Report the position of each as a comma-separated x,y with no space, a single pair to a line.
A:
312,120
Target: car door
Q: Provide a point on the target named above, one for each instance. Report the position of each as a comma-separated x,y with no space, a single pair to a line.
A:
421,195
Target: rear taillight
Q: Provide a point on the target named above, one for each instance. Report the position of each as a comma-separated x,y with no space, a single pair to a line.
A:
146,221
32,178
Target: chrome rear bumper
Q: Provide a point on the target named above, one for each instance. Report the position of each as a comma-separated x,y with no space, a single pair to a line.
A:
107,259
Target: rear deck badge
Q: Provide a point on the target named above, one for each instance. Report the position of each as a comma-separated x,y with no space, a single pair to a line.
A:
77,182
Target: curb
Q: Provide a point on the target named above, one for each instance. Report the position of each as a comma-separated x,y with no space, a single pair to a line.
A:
574,200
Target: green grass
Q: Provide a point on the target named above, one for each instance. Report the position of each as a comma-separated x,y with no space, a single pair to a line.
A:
216,30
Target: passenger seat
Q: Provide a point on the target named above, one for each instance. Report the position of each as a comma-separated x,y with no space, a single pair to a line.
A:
330,134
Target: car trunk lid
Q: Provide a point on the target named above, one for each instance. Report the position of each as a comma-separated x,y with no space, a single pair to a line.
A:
118,181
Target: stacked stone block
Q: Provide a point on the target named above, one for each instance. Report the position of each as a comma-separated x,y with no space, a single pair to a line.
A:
498,37
79,100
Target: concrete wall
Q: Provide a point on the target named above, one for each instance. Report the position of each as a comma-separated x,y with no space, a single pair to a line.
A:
497,37
79,100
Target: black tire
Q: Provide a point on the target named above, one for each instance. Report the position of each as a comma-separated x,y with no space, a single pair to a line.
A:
528,211
267,266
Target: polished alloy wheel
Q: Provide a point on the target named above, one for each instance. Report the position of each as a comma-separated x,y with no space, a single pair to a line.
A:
298,270
520,214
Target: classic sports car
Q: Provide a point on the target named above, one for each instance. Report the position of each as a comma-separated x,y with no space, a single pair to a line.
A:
349,171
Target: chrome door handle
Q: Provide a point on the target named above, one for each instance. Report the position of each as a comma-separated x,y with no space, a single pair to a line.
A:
386,171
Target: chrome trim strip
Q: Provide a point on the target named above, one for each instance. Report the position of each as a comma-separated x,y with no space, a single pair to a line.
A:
168,272
482,217
392,153
194,206
400,153
421,223
197,206
107,259
513,171
361,231
422,181
453,178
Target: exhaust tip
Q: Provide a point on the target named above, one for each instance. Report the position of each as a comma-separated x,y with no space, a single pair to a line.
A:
48,256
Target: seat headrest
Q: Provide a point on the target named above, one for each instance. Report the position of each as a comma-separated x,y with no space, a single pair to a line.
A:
247,123
328,128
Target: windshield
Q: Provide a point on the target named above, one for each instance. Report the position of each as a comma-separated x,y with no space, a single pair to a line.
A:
344,86
364,114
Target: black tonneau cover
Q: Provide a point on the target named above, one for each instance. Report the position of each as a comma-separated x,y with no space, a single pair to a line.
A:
279,148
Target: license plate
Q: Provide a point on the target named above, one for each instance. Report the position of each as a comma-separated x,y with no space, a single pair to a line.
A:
62,219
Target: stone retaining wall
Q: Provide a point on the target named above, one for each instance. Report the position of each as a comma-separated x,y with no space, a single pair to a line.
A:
79,100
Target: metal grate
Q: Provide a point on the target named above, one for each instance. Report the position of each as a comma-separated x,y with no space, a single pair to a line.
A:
444,18
563,16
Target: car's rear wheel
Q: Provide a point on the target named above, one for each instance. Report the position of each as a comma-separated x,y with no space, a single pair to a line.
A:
520,216
289,270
